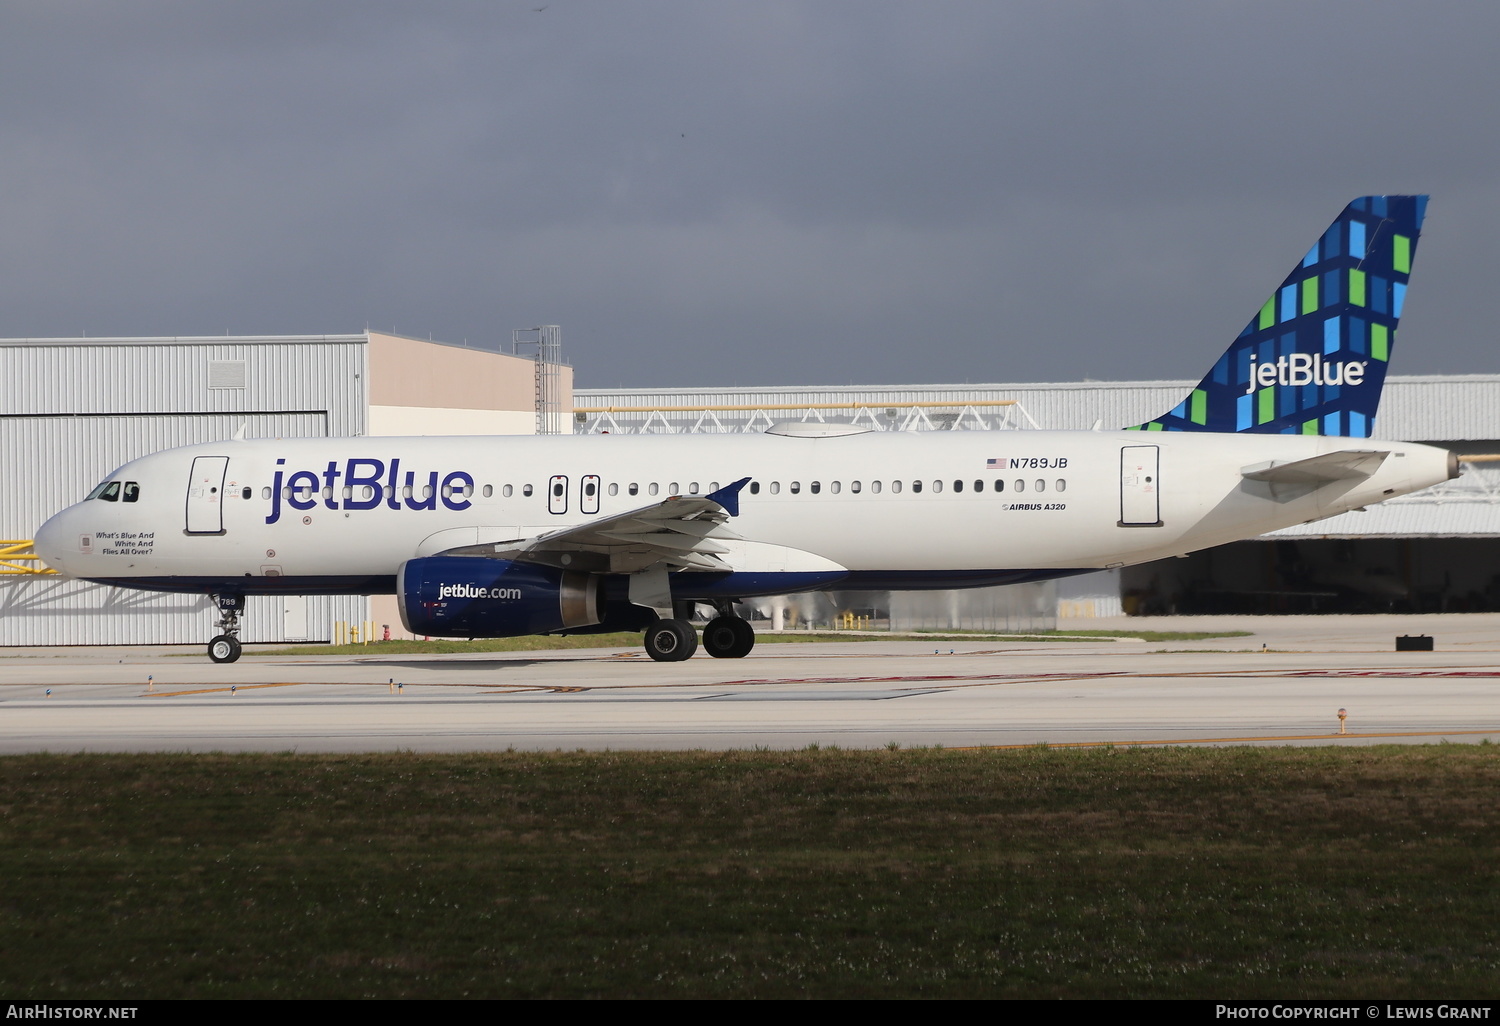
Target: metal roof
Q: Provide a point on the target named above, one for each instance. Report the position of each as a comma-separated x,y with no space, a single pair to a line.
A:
1431,407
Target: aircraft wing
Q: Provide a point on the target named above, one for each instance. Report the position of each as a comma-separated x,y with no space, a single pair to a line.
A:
683,532
1319,470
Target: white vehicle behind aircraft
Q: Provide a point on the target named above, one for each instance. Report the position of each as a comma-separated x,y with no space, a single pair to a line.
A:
504,536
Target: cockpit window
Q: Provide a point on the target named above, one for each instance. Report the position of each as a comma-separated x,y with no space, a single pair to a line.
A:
109,491
132,491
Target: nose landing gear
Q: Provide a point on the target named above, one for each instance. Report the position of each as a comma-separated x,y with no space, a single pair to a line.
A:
225,648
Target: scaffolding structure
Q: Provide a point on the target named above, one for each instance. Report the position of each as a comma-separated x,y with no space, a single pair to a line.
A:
551,415
980,415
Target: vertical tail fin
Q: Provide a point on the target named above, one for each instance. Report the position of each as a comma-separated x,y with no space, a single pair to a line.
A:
1313,360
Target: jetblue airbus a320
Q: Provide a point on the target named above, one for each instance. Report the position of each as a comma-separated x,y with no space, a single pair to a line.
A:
504,536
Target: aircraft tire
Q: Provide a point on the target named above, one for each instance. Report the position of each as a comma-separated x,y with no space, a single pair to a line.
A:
728,637
671,641
224,649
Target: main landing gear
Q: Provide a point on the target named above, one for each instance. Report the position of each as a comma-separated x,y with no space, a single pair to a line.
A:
671,641
225,648
726,637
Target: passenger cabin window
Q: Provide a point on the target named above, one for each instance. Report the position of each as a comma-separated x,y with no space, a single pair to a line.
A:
526,491
815,487
958,486
895,487
795,487
653,488
244,493
875,487
634,488
754,487
999,485
916,486
507,491
1061,485
854,487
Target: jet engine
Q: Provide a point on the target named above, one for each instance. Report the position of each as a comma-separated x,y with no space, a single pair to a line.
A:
475,597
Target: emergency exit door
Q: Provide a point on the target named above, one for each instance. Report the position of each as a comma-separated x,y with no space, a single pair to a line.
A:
205,497
1140,486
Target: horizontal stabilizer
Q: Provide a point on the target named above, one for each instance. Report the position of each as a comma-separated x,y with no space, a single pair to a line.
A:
1350,465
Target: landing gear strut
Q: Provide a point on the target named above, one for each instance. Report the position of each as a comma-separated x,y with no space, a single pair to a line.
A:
728,637
225,648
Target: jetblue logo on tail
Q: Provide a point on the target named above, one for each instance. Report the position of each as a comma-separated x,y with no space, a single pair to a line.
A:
1301,369
1312,361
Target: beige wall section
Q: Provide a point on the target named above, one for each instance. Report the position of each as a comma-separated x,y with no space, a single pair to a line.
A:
432,420
414,373
383,612
429,388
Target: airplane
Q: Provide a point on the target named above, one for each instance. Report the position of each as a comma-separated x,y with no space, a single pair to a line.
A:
506,536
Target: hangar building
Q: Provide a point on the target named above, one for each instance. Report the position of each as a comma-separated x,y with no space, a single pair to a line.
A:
1437,550
72,410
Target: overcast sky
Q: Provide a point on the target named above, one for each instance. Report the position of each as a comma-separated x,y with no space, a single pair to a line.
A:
772,192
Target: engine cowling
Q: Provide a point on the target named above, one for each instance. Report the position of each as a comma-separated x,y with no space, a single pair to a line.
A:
474,597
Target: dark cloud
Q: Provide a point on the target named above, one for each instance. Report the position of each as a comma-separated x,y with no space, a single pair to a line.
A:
752,193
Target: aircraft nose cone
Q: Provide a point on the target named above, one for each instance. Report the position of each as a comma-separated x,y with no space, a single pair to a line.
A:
51,541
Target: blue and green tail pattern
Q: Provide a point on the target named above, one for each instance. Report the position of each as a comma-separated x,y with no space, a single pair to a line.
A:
1313,360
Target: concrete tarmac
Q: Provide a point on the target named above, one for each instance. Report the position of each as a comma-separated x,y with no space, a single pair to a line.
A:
1283,684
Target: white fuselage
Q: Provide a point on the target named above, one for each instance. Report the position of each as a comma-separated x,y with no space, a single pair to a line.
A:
343,514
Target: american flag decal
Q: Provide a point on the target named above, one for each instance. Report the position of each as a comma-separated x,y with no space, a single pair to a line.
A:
999,464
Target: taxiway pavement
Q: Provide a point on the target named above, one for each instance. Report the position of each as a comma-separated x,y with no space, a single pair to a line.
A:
1284,684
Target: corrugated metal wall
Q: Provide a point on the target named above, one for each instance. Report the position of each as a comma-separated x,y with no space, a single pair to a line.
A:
72,410
57,611
74,453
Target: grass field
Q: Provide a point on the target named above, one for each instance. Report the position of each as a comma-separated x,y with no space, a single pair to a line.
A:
1234,872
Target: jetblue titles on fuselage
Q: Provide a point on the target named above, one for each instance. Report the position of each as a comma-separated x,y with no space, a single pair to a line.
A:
370,483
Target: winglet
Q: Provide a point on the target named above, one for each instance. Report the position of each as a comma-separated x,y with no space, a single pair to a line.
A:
729,496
